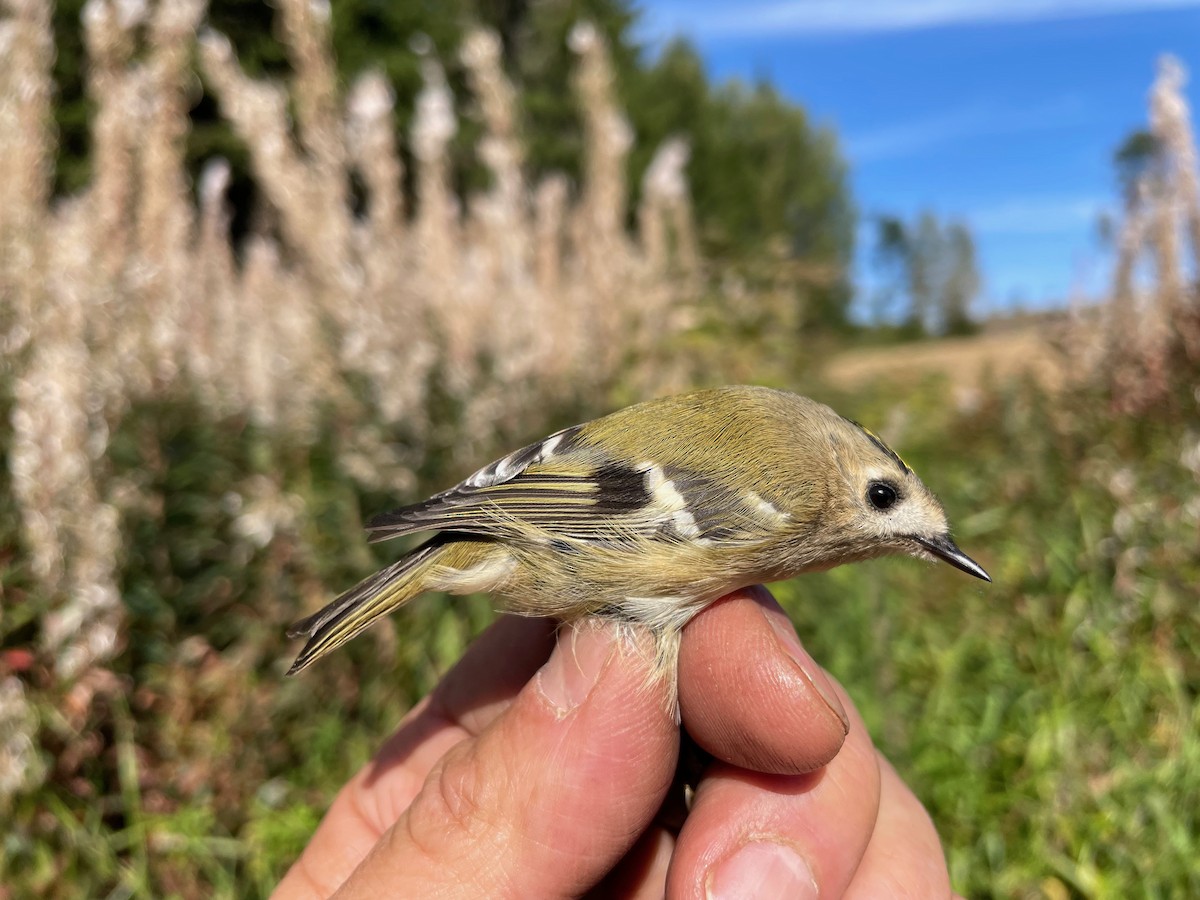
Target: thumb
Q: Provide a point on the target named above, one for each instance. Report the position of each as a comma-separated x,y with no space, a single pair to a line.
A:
547,799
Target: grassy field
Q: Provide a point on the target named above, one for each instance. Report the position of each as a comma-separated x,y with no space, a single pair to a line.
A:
1048,720
970,361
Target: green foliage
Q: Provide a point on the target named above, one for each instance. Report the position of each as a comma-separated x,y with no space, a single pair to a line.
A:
195,768
1139,153
71,108
543,65
928,276
1049,720
779,177
767,184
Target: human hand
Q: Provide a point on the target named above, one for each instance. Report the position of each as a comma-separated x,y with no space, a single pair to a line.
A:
538,767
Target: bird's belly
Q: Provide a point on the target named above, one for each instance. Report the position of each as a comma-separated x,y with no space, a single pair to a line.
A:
663,597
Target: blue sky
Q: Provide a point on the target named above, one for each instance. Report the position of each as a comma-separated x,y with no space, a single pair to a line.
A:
1004,113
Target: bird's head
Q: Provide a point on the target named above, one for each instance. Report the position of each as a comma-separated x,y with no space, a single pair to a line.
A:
881,506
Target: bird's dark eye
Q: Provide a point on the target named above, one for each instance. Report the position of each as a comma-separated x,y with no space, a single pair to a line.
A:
882,495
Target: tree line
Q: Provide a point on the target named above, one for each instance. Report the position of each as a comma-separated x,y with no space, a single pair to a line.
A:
769,186
928,275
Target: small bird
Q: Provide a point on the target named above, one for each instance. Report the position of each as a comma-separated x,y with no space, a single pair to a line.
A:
649,514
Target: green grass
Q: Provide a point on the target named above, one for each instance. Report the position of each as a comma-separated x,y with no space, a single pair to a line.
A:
1049,720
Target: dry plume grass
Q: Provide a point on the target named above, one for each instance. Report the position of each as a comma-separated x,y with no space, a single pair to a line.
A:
1140,341
1149,325
516,298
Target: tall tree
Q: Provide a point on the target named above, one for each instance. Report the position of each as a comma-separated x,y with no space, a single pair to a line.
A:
890,260
962,280
925,269
1137,157
543,64
767,185
934,265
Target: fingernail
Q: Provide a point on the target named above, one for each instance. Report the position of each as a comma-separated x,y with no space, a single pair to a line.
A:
762,870
575,665
790,644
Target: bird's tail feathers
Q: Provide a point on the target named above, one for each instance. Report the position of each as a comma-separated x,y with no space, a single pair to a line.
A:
370,599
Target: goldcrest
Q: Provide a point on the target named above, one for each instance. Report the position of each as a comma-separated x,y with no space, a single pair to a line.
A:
651,513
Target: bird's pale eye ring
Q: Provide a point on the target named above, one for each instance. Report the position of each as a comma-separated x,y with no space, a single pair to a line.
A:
882,495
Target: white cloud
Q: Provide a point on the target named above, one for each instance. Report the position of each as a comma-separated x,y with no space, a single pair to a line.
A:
1037,215
977,120
1032,215
816,17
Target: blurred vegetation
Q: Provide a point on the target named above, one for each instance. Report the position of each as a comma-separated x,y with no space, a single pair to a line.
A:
1049,721
928,276
766,180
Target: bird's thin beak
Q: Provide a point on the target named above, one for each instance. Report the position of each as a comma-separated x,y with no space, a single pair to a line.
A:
945,549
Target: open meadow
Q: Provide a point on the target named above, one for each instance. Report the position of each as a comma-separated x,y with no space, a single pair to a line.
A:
197,421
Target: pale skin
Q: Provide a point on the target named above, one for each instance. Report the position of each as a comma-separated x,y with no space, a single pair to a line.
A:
538,766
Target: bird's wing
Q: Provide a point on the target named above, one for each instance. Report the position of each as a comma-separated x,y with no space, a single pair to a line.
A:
563,488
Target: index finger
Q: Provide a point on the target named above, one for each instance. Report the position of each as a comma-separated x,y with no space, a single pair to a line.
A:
751,695
473,693
552,794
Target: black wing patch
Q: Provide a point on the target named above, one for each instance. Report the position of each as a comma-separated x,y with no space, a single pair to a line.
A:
621,490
